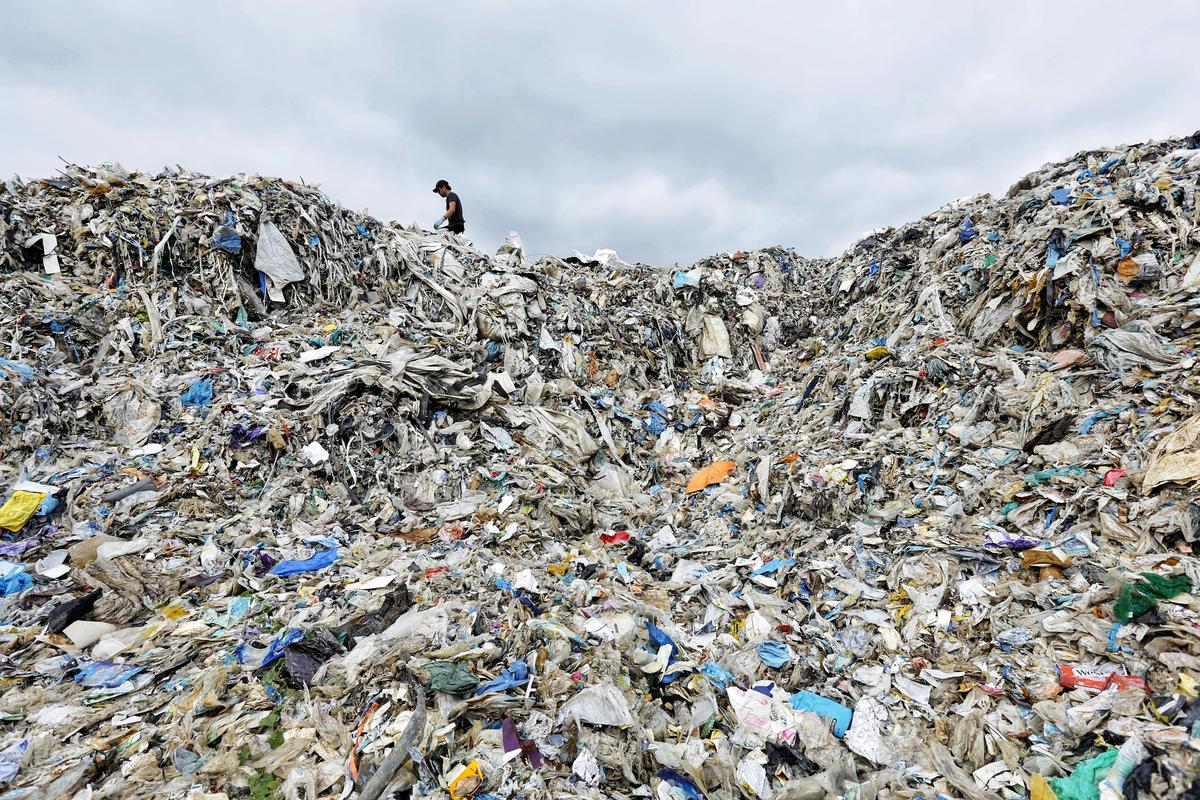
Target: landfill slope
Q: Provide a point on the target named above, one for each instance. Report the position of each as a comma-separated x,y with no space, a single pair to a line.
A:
303,504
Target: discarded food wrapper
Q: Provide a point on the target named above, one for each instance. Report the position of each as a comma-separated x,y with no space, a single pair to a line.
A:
465,781
1097,681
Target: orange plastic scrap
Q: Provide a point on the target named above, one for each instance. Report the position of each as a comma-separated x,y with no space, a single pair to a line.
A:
713,473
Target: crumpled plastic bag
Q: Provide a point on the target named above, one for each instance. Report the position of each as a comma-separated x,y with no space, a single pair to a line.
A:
1084,782
510,678
602,704
1134,345
1177,457
714,338
226,237
318,560
1138,598
17,510
11,759
511,254
134,413
713,473
133,586
13,578
199,394
451,677
274,257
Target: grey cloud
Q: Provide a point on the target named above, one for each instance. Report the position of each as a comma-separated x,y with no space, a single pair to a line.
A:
666,132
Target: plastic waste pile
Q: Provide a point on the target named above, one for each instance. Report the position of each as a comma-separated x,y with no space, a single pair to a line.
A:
303,504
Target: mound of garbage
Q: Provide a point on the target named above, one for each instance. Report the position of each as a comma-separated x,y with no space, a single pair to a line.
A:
303,504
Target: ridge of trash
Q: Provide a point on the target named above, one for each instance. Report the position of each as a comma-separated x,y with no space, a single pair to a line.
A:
301,504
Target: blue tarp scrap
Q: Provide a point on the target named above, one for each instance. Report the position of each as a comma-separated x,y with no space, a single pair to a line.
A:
105,675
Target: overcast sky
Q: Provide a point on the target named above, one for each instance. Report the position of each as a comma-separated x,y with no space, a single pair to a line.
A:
667,131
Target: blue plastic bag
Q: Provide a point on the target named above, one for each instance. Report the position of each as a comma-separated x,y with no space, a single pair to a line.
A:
774,654
516,675
105,675
318,560
24,372
825,708
717,675
523,596
657,423
13,578
682,784
11,759
48,505
259,657
199,394
658,639
966,231
773,565
226,237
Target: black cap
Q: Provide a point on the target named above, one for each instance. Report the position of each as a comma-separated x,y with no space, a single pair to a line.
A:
440,184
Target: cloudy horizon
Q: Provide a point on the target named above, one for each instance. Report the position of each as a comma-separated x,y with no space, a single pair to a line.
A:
666,132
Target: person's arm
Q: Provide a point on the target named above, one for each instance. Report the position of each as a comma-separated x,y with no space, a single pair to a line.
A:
450,209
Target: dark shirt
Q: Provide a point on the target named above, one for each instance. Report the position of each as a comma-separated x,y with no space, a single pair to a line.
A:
455,223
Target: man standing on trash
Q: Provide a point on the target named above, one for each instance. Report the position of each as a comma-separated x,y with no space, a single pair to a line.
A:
453,218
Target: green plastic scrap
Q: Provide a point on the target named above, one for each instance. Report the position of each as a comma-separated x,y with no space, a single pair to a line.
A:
263,786
1058,472
451,677
1138,598
1084,782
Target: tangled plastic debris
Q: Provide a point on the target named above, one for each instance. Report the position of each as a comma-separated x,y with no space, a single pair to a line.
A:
301,504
